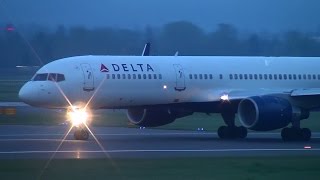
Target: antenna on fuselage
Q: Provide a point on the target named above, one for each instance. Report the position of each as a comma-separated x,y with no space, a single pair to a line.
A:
146,50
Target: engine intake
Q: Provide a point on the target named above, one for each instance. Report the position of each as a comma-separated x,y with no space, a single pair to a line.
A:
264,113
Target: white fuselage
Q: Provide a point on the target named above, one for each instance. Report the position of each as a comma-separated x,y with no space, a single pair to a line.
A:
108,81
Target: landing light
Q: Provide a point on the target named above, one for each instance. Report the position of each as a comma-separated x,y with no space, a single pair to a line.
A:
78,117
225,97
164,86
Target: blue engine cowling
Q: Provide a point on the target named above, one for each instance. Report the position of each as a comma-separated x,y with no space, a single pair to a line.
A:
264,113
155,117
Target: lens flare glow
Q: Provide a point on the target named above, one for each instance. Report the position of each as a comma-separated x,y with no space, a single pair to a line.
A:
78,117
224,97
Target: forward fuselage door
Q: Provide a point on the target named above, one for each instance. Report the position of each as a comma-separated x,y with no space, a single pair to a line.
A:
180,78
88,83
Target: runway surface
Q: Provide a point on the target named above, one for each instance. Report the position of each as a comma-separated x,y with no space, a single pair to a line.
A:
46,142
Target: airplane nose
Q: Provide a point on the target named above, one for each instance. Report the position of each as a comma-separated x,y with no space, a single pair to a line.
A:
26,94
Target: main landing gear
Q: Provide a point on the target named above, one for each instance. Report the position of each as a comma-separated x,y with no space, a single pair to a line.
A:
81,133
231,131
295,133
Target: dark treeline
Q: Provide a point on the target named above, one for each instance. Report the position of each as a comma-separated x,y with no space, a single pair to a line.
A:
44,46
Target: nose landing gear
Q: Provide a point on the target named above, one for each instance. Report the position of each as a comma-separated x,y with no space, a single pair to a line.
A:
81,134
80,118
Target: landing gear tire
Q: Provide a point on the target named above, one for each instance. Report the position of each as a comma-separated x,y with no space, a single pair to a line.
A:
226,132
81,134
306,134
295,134
242,132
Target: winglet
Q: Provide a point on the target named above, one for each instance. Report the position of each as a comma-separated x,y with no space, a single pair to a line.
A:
146,49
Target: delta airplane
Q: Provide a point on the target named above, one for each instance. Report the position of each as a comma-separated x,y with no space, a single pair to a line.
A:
266,93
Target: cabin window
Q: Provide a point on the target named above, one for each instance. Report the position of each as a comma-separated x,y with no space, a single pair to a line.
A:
245,76
230,76
200,76
155,76
205,76
275,77
294,77
123,76
118,76
250,76
270,76
284,76
129,76
210,76
190,76
195,76
160,76
134,76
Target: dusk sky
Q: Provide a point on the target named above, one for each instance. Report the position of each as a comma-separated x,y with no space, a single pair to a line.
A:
251,15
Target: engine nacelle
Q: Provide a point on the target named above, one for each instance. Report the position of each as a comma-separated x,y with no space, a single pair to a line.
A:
264,113
154,117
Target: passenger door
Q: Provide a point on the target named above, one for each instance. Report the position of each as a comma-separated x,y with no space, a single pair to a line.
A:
88,83
180,78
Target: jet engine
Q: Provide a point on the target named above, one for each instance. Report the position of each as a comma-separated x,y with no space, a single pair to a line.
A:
155,117
264,113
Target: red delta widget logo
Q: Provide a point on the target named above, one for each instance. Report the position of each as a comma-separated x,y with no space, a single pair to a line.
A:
127,67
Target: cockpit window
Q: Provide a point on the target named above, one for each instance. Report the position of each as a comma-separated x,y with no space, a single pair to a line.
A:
40,77
55,77
52,77
60,77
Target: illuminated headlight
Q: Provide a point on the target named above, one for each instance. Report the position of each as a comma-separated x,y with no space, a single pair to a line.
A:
225,97
78,117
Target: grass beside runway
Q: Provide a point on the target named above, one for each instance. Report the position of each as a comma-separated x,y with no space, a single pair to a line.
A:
246,168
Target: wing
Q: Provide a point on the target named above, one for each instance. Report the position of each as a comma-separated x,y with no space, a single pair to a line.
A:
13,104
306,92
239,94
306,98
